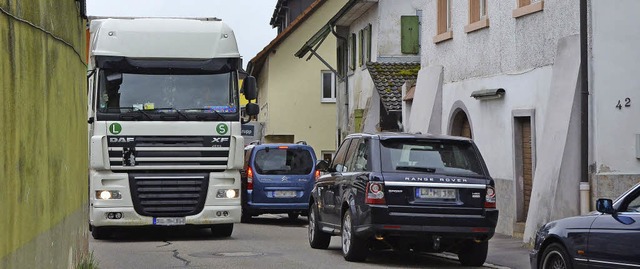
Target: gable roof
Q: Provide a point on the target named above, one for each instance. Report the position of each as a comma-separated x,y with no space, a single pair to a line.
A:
388,79
255,65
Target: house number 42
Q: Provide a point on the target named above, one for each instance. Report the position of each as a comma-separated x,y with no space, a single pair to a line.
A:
627,103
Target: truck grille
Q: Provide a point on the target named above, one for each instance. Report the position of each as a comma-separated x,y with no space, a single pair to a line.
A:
209,153
168,195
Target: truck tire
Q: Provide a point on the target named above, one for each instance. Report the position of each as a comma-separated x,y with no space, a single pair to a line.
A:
100,233
473,254
222,230
354,249
317,238
245,216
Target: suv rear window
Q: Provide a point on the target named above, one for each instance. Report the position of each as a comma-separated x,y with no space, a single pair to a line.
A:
432,156
283,161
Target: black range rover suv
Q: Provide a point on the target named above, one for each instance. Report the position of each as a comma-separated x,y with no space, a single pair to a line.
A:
407,192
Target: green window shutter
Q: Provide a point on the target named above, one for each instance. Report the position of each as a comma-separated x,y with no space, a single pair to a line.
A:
361,47
409,34
357,115
352,54
369,43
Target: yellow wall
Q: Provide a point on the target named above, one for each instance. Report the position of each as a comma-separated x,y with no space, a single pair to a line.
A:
43,152
293,92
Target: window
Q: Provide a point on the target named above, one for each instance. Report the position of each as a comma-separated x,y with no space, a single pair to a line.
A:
360,160
477,16
338,161
328,86
352,52
350,155
526,7
361,48
327,155
444,21
369,30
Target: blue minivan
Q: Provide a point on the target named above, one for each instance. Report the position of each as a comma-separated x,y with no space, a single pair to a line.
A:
277,179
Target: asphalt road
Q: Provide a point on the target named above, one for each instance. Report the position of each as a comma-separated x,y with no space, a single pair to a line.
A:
270,241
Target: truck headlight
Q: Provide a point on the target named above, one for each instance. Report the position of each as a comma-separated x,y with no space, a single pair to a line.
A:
108,195
227,193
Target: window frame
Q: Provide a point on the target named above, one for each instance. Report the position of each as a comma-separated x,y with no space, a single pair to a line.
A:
332,98
478,16
526,7
443,32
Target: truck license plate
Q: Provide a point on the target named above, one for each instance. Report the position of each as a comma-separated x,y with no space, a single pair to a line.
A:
284,194
433,193
169,221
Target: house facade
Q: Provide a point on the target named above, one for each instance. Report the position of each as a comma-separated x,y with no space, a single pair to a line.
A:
508,75
378,50
297,97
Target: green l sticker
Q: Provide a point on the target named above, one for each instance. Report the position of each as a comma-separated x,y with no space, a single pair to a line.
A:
115,128
222,128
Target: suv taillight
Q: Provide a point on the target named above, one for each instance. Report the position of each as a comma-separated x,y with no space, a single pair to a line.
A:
374,193
249,178
490,198
316,175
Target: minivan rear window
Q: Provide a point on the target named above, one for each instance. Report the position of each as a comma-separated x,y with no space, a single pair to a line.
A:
283,161
430,156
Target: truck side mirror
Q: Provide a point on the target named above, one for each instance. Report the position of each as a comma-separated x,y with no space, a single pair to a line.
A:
252,109
249,88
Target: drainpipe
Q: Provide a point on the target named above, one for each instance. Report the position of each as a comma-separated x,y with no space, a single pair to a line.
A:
344,123
584,111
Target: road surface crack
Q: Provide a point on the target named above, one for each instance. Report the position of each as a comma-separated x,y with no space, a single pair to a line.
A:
167,243
175,255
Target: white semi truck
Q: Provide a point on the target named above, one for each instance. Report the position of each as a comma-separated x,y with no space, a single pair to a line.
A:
164,124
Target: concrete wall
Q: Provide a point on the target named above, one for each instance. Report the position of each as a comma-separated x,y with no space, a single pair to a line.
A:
43,189
292,86
614,77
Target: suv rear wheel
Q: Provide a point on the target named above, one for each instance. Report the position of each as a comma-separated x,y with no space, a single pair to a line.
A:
317,238
354,249
473,254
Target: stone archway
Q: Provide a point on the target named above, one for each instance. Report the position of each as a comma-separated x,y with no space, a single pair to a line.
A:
459,124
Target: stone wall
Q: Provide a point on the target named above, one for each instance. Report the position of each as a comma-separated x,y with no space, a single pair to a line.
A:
43,177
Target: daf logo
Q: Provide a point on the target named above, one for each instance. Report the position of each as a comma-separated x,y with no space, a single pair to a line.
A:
219,139
121,139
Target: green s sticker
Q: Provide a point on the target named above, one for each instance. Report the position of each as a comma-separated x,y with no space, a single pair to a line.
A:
222,128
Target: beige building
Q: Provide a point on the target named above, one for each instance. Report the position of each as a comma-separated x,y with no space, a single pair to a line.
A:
297,96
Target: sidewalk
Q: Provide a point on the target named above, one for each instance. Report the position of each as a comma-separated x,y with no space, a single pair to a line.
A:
508,252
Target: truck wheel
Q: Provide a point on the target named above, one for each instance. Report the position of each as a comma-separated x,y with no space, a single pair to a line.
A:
293,216
222,230
354,249
100,233
473,254
245,217
317,238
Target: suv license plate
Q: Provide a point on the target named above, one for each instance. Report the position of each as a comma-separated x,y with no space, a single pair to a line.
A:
433,193
284,194
169,221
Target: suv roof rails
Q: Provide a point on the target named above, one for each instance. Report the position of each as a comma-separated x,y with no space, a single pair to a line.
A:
255,142
302,142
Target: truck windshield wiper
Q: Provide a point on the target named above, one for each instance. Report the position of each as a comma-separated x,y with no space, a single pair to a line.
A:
416,168
131,109
218,115
170,108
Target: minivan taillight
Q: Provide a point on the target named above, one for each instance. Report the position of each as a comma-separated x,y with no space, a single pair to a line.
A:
490,198
249,178
316,175
374,193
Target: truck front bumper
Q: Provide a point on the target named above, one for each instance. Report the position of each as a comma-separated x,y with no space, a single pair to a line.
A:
208,216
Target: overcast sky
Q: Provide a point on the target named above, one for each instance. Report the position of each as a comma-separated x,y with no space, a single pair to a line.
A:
249,19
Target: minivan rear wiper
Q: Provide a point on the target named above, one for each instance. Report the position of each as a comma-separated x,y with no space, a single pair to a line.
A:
416,168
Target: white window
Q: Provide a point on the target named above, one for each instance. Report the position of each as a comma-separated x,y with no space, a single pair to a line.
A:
328,86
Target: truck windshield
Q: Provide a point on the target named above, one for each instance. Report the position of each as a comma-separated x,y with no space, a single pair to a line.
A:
182,93
457,158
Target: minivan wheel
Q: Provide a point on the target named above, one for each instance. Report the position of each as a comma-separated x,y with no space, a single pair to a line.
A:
354,248
317,238
555,257
473,254
293,216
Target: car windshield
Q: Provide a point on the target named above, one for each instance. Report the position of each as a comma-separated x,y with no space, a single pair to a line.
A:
430,156
283,161
124,92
